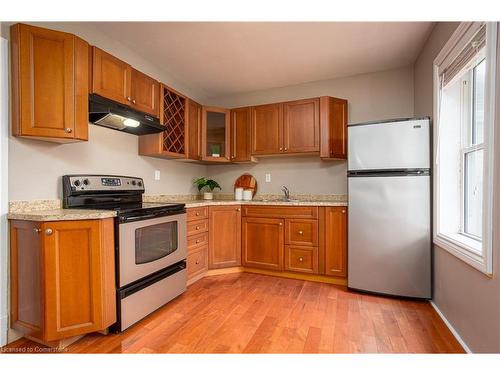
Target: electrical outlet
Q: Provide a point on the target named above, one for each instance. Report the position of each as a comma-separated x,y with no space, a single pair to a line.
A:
157,175
268,177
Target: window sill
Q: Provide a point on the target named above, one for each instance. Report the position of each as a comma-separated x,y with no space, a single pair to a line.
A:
465,248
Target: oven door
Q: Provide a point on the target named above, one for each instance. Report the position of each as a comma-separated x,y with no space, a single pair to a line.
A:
148,246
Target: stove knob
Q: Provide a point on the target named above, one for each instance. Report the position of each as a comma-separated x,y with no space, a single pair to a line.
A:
76,183
139,183
86,181
133,182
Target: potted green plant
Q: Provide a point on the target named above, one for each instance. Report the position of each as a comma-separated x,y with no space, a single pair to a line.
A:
202,183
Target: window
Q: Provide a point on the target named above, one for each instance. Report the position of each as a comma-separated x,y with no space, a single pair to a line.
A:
464,77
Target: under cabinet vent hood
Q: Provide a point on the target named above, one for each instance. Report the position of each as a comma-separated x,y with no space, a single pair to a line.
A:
105,112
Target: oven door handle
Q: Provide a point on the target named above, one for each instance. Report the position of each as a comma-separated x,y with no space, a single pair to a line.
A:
142,217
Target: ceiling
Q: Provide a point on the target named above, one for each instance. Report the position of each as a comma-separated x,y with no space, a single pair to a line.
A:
224,58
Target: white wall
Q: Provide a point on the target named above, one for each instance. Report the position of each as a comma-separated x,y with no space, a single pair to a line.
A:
373,96
469,300
35,167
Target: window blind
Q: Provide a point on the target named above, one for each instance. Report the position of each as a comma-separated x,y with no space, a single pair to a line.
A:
467,54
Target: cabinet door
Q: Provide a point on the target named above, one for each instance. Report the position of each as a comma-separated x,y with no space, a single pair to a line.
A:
263,243
241,135
49,84
267,129
74,266
145,93
193,130
224,237
111,77
301,126
215,133
26,278
335,237
333,128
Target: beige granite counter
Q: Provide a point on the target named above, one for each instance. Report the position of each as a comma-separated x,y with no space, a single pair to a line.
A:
60,215
199,203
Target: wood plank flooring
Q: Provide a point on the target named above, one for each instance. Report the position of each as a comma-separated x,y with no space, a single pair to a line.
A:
250,313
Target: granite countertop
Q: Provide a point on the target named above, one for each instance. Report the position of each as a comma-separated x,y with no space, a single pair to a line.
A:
60,214
51,210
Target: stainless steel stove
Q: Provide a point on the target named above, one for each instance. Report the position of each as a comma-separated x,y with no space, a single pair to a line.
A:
150,241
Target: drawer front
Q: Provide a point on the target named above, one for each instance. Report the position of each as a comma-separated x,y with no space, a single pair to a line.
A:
197,261
301,232
197,240
197,213
298,212
301,259
196,227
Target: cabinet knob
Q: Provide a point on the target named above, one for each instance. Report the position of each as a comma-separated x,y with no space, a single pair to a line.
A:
301,259
197,262
343,211
238,209
197,227
281,224
37,230
48,231
197,214
129,98
281,148
68,130
133,101
233,156
197,241
301,232
286,149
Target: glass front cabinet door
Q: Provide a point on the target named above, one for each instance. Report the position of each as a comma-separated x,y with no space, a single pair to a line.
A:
215,134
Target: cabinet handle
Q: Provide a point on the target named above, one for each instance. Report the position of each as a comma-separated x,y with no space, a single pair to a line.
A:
68,130
301,259
129,98
301,232
48,231
37,230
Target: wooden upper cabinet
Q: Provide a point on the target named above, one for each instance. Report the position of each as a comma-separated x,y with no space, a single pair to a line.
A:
267,129
224,249
301,126
263,243
62,276
111,77
193,130
50,83
333,127
335,241
215,134
145,93
241,135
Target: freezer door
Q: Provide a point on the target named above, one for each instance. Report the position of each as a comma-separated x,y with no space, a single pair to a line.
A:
390,145
389,240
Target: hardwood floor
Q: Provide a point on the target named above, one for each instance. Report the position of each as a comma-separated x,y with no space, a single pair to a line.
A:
250,313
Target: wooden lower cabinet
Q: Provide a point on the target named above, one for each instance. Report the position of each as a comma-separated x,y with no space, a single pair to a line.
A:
197,262
62,278
224,248
197,243
334,240
301,259
263,243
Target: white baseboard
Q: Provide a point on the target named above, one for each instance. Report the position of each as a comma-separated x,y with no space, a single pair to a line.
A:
451,328
4,321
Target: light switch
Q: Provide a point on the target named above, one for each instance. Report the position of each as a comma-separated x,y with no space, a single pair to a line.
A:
268,177
157,175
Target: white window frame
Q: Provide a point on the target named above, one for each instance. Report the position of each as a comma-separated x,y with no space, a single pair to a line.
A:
463,247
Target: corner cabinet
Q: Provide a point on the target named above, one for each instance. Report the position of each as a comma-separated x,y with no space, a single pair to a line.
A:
50,84
333,127
241,135
62,278
215,134
224,246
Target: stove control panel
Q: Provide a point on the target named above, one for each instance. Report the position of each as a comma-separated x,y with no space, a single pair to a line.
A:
103,183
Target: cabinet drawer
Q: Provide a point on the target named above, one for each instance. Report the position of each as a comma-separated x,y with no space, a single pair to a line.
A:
197,261
298,212
196,227
301,232
197,213
301,259
197,241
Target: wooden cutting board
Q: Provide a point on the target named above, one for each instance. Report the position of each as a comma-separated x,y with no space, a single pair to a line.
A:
247,182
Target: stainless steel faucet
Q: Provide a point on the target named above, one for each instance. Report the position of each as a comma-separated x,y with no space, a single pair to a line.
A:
286,192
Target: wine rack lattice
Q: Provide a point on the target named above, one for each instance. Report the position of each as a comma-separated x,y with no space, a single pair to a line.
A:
174,108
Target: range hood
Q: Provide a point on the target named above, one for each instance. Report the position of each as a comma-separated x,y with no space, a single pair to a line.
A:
105,112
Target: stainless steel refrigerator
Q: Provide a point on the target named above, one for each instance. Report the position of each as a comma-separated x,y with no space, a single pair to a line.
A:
389,240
